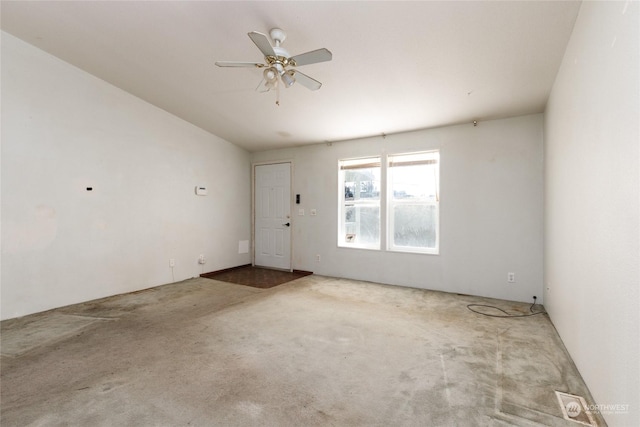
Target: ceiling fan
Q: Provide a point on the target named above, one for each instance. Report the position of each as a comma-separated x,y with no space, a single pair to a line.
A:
279,66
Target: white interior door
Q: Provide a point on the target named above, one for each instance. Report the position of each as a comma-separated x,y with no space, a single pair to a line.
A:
273,216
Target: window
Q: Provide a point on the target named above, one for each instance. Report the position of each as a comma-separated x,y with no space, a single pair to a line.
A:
359,224
407,201
413,202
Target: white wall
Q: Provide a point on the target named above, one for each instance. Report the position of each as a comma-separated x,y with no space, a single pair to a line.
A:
64,130
491,210
592,245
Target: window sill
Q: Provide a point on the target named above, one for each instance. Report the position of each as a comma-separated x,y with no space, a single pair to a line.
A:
407,250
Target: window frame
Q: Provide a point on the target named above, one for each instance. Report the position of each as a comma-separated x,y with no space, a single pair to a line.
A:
432,157
358,163
386,204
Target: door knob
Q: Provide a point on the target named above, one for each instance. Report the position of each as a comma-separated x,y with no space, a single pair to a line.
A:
287,224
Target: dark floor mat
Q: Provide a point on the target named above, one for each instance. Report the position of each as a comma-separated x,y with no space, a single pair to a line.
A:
256,277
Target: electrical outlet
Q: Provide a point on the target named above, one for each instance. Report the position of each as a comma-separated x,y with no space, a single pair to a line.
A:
172,262
201,259
511,277
318,258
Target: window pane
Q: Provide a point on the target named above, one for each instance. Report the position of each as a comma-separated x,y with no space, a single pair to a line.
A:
414,182
360,207
362,224
414,225
362,184
413,201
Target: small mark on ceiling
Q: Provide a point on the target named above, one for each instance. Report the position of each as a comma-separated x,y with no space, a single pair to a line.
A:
284,134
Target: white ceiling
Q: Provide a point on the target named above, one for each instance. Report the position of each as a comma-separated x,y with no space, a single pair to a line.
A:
397,66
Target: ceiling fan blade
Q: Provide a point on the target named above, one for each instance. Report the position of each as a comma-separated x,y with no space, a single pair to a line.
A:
313,57
238,64
262,42
306,81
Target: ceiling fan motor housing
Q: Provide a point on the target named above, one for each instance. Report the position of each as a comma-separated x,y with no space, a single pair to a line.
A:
281,52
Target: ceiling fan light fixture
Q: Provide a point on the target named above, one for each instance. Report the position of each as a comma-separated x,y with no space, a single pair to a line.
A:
288,79
269,74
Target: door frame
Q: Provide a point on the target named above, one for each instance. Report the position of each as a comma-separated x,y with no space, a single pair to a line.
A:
253,206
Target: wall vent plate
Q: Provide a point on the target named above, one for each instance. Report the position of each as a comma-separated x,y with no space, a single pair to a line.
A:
574,408
201,190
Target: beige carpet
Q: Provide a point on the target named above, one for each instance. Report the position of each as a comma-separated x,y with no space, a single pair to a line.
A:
316,351
36,331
